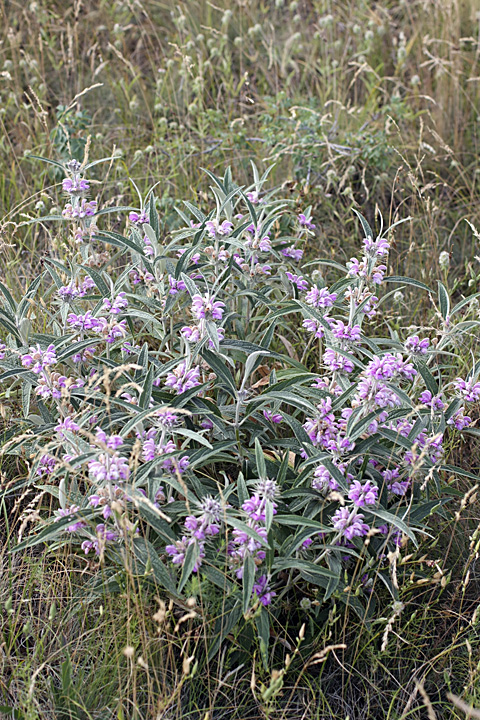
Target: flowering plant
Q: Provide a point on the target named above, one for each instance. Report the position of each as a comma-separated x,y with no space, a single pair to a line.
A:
142,414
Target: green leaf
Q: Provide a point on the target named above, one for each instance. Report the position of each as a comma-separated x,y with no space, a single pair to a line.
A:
248,579
120,241
459,471
98,280
366,227
443,300
191,557
190,285
53,530
335,565
356,427
297,428
260,460
47,160
223,626
26,394
157,523
221,370
25,303
464,302
15,373
8,298
146,394
427,376
185,432
393,520
148,556
262,621
407,281
78,347
298,521
306,566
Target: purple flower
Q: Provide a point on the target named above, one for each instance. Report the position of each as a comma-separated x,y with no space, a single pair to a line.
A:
208,523
305,222
349,523
377,274
262,591
82,209
175,285
46,466
166,419
323,480
294,253
257,241
109,468
297,280
112,330
149,250
355,268
415,346
243,546
394,484
273,417
191,333
195,258
468,389
68,292
376,248
75,185
366,494
151,449
207,307
3,348
38,359
255,507
389,366
139,218
67,512
182,379
459,420
84,356
336,362
346,332
175,466
314,326
105,496
253,197
119,304
320,297
214,227
435,402
372,394
178,550
104,536
67,425
111,441
83,322
361,269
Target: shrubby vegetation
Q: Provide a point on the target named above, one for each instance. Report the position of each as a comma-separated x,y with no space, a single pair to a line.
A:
233,410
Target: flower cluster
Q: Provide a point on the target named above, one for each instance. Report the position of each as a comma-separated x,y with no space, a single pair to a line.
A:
197,530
